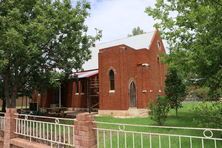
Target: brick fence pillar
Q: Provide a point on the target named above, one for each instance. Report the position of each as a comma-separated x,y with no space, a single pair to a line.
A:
85,135
9,126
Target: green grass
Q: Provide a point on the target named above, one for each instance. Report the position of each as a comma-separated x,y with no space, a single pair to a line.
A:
185,118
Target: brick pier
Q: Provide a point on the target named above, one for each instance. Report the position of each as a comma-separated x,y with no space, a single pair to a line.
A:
85,135
10,126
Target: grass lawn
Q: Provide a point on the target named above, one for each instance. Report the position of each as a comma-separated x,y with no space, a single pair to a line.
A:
132,139
184,119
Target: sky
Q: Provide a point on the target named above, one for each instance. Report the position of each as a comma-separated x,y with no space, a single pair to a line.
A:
117,18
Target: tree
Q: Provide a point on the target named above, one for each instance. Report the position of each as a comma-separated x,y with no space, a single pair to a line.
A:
193,31
136,31
40,38
175,90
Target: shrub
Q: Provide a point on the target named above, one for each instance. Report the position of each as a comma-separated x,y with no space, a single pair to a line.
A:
159,110
209,114
199,93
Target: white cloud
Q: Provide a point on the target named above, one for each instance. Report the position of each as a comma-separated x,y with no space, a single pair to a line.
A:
117,18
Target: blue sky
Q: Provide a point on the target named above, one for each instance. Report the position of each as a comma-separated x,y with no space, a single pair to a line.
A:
116,18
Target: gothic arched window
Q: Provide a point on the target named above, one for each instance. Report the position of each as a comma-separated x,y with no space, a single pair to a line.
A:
111,80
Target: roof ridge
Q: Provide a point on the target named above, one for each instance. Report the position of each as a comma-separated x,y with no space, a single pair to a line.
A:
125,38
94,69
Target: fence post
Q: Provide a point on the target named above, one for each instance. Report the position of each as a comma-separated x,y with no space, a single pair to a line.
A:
10,126
85,135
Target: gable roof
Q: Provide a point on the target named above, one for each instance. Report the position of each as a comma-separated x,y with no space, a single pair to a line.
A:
137,42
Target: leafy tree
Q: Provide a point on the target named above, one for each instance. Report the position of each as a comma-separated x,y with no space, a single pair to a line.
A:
38,39
175,90
136,31
193,31
159,110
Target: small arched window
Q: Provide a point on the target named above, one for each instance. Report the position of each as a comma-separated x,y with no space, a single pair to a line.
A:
158,44
111,80
158,59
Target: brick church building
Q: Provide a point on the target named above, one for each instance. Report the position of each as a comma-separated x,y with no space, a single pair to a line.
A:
122,77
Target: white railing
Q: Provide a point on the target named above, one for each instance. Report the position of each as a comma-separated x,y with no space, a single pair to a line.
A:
2,121
142,136
57,132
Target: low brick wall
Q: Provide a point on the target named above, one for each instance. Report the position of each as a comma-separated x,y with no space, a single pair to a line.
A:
84,133
1,142
22,143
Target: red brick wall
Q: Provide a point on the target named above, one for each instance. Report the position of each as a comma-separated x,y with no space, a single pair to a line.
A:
126,63
79,100
69,98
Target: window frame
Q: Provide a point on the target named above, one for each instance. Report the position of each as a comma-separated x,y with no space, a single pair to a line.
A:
111,81
158,44
77,87
83,87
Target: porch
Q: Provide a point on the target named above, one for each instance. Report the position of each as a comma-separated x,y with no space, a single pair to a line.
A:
78,94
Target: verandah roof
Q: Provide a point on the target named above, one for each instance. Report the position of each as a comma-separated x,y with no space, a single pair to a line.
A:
86,74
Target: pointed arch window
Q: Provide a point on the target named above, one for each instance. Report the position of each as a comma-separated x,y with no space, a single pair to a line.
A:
158,44
111,80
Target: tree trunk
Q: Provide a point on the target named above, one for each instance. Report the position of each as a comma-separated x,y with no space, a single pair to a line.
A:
22,102
10,98
3,105
176,110
26,102
6,91
10,90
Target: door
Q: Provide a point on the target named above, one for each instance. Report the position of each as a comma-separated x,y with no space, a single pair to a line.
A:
132,94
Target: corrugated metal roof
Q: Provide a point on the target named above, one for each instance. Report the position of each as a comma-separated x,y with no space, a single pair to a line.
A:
86,74
137,42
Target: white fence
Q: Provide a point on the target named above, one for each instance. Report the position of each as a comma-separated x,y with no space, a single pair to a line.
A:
110,135
2,121
57,132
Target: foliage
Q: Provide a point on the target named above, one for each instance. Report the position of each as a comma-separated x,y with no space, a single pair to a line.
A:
175,90
193,31
209,115
136,31
200,93
40,38
159,110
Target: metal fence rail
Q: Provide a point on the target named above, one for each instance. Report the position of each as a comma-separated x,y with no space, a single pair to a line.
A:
110,135
57,132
